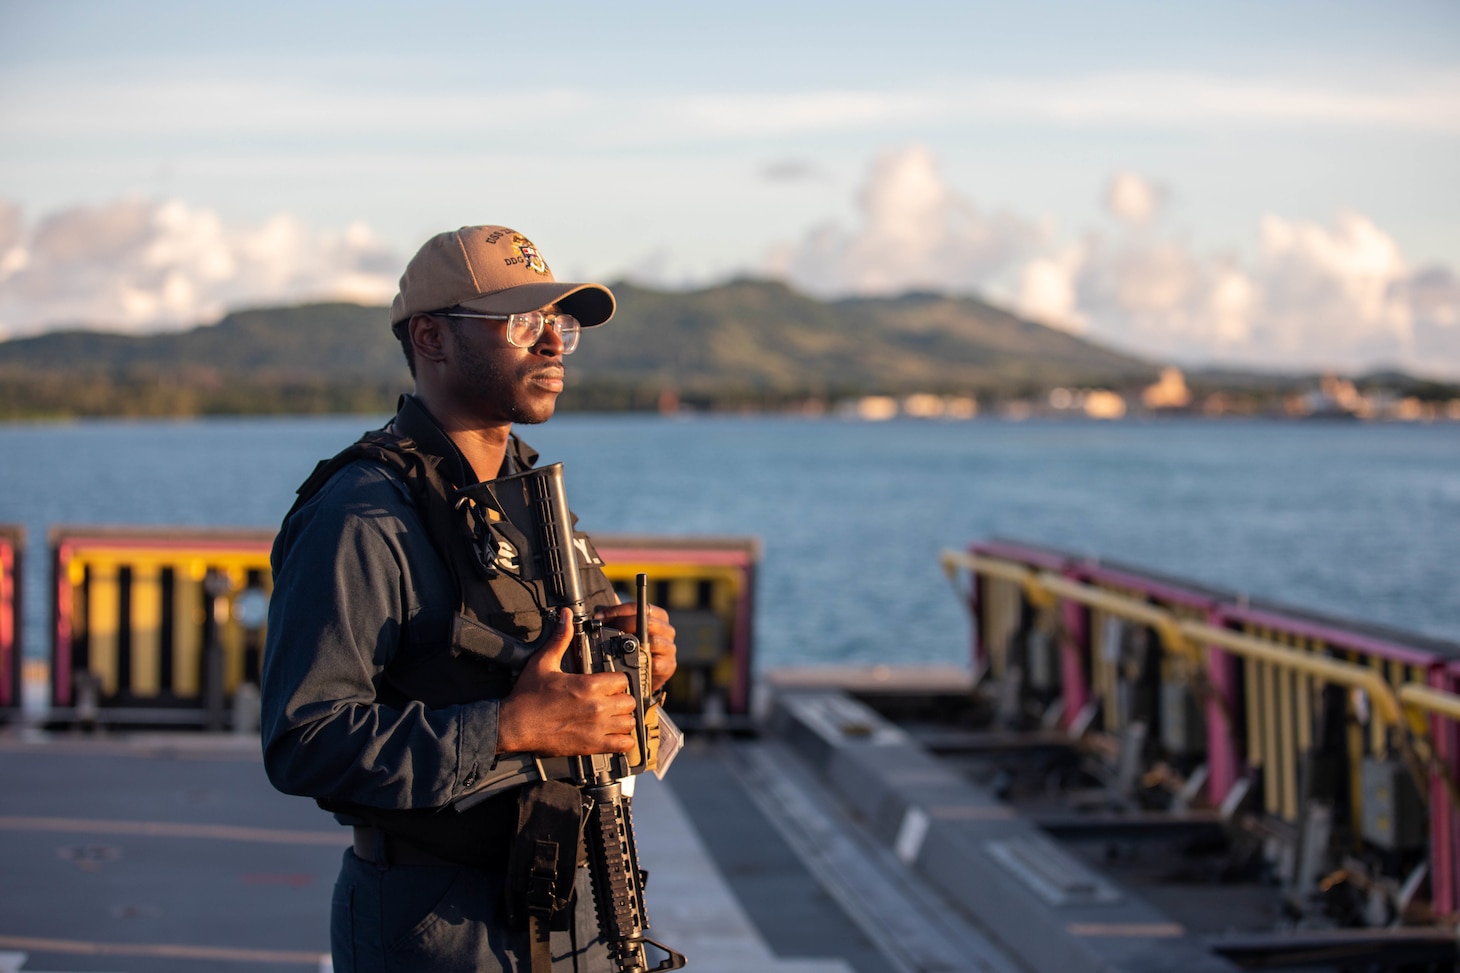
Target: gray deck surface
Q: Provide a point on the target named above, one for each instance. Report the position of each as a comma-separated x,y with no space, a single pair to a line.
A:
172,854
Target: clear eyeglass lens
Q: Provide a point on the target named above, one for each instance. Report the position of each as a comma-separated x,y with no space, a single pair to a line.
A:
569,330
523,330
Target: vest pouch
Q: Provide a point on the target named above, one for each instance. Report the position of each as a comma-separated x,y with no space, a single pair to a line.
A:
544,857
451,659
524,625
473,640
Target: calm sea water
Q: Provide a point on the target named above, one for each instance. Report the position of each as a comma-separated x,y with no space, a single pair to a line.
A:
1356,520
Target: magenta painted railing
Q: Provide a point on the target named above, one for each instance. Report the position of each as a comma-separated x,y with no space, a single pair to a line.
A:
1398,658
12,544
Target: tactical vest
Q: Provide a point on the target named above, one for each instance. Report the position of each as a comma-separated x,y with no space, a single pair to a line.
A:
475,653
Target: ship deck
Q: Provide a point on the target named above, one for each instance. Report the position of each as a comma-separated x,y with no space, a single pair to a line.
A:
837,839
166,853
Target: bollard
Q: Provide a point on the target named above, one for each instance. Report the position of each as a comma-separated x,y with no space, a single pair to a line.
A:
246,710
216,586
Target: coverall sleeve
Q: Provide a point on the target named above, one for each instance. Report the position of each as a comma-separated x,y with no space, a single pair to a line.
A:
350,567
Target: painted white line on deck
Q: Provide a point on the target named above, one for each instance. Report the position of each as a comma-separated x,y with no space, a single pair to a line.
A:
914,928
690,906
15,963
175,829
205,746
79,947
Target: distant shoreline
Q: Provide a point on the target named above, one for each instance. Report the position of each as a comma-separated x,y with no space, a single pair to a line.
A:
1015,416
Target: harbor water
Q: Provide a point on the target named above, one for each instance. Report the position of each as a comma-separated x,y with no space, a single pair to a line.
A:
1355,520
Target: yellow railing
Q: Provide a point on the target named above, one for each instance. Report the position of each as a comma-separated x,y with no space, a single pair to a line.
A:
1427,698
1186,636
1279,671
135,607
1381,694
707,586
132,610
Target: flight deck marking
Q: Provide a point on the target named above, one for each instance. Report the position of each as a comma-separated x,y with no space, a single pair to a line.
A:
143,748
1136,930
173,829
80,947
916,931
295,880
972,812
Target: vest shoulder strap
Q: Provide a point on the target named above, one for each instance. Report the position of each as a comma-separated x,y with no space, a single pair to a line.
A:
449,534
380,446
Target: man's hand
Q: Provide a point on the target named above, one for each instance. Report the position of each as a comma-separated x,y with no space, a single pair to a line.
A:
565,714
625,618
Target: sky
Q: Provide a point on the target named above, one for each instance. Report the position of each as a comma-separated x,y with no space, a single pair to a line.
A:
1266,184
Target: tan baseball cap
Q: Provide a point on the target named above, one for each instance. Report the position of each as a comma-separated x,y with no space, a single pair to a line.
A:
494,270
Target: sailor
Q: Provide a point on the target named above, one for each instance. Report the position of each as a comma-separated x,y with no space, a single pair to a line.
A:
374,701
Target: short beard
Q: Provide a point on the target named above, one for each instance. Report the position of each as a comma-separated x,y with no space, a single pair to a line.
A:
487,377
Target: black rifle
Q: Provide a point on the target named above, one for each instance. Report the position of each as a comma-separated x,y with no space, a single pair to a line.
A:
536,502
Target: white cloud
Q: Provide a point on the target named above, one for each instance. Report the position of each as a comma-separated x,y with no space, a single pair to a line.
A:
1185,100
55,104
10,226
58,104
759,115
1433,296
793,170
1158,298
1338,287
915,232
1047,290
1336,296
137,264
1314,296
1230,300
1133,199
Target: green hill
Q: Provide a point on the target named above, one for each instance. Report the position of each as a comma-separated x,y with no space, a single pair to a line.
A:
764,336
745,343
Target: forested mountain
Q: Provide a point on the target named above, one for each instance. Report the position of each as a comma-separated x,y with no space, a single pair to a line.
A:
745,343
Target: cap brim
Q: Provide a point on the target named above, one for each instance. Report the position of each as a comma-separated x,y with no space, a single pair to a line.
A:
591,304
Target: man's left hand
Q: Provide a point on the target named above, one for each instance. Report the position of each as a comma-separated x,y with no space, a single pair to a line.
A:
624,617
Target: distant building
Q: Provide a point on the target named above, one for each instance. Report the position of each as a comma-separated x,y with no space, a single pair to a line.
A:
927,406
960,407
875,408
923,406
1169,392
1093,403
1103,404
1334,398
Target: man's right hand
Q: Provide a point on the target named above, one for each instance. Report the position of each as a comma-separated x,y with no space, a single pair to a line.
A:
565,714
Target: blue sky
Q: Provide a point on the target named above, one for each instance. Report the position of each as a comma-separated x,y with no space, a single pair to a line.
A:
1268,183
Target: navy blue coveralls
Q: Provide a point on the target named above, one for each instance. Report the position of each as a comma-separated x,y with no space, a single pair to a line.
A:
358,643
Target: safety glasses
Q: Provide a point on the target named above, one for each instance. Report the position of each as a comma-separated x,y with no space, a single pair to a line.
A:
524,330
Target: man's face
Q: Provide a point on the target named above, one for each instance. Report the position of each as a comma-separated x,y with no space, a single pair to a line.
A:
500,382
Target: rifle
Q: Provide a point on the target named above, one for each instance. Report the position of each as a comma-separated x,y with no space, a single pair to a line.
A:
536,501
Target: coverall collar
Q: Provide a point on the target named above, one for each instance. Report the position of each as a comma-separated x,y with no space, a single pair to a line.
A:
413,421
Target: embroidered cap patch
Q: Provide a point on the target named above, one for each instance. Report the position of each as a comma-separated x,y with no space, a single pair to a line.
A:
527,251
